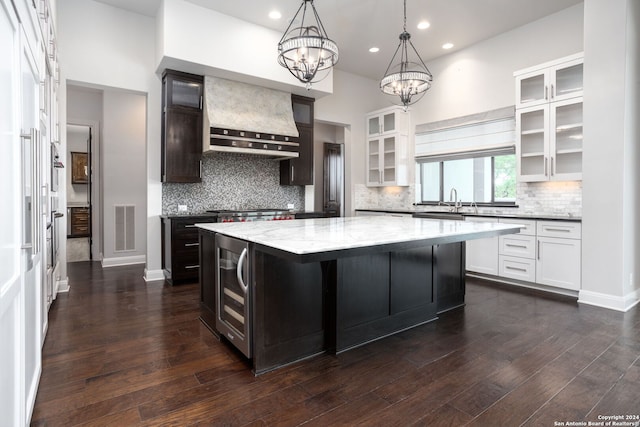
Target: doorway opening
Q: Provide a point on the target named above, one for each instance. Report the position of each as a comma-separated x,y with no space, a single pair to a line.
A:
80,141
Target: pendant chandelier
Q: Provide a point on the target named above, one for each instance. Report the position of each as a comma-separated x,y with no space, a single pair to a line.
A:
406,79
305,49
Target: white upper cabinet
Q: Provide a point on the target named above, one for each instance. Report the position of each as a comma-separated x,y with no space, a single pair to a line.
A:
389,120
549,82
387,145
549,122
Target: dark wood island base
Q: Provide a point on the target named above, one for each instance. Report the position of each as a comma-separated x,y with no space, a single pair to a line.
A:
301,307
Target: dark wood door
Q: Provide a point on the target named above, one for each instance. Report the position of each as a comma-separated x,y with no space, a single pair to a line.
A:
182,150
181,137
299,171
333,179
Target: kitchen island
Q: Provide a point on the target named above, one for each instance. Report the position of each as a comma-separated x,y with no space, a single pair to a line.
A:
282,291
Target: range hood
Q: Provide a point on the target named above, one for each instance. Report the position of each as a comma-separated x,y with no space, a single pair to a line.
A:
244,118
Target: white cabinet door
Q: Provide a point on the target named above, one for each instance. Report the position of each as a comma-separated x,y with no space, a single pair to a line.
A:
558,262
387,163
565,140
374,173
532,149
553,81
12,408
389,120
482,254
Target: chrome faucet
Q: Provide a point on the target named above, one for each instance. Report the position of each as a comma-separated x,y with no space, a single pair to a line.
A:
453,197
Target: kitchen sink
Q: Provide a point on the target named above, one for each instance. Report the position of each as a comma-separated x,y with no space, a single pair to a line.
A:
440,215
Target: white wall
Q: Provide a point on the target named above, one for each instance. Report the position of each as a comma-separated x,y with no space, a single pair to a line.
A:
353,97
610,159
480,77
124,175
196,39
109,47
477,79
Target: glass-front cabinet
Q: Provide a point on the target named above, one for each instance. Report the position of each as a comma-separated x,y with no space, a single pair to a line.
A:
387,162
549,127
550,142
385,122
549,82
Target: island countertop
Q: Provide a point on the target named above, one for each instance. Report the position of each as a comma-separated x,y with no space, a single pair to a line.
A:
322,235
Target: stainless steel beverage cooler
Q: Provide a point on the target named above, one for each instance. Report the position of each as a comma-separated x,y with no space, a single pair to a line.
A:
233,292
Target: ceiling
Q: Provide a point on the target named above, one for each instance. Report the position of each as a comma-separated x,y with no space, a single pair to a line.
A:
357,25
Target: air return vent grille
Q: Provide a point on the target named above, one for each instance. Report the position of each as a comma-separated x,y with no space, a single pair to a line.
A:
125,228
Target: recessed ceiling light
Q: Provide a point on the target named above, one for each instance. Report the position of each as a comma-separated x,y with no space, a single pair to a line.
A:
274,14
423,25
374,49
447,45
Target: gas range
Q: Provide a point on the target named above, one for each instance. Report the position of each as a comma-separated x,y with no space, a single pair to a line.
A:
252,215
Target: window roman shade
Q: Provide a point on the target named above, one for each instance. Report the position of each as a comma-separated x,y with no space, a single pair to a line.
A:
482,134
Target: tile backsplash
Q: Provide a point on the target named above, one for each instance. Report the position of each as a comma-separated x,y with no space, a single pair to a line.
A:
233,181
534,198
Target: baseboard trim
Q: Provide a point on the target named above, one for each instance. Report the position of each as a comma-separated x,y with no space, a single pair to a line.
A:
528,285
153,275
120,261
62,285
612,302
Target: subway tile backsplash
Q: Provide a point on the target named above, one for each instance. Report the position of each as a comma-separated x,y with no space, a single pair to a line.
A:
535,198
233,181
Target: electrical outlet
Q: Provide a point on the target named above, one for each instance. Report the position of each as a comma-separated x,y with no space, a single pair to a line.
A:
290,206
182,208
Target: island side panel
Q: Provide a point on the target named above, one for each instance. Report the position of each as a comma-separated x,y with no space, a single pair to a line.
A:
381,294
449,274
288,308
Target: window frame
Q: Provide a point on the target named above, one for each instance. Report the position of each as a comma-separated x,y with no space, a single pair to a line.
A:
462,155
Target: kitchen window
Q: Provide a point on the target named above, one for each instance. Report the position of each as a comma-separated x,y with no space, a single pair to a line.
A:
486,177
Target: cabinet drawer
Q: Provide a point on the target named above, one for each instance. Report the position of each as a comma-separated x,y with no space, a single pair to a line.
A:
182,244
518,246
528,230
517,268
562,229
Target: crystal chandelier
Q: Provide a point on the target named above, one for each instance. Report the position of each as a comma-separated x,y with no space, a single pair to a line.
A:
305,49
406,79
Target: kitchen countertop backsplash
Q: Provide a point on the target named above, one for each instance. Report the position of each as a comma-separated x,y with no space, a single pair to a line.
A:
233,181
549,199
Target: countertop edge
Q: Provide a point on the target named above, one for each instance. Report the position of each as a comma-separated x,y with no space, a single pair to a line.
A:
480,214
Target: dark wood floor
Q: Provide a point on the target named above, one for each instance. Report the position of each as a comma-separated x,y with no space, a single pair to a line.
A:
122,352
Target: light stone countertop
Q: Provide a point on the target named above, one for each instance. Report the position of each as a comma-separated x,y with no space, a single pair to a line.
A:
309,236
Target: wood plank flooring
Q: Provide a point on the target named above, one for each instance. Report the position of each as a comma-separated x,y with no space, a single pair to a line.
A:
122,352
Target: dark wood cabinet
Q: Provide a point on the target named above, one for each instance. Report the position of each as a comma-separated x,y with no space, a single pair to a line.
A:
182,121
180,248
299,171
79,224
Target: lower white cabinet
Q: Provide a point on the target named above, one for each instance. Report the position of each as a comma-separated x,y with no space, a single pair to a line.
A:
559,251
544,252
482,254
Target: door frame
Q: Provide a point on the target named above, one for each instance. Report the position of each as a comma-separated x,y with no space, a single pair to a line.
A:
325,177
95,181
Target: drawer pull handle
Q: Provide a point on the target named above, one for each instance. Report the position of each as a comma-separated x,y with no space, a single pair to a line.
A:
566,230
516,246
189,226
515,268
191,267
191,244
